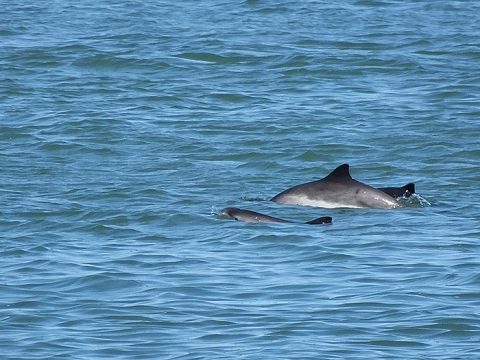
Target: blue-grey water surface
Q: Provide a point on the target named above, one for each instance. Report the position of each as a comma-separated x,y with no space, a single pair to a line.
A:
126,126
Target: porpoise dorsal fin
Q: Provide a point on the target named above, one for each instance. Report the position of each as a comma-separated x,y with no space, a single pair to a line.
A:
410,187
340,173
320,221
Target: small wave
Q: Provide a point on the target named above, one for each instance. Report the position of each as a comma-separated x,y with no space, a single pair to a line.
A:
255,197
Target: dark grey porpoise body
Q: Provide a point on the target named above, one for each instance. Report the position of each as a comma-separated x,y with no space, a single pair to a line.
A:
337,189
252,216
402,191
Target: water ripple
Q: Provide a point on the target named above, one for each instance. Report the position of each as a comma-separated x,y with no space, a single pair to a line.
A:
125,127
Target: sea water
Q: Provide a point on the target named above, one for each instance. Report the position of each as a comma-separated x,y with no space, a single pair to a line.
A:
126,126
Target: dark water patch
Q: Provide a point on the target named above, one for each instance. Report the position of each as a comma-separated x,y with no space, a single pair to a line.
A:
34,57
397,343
374,3
235,98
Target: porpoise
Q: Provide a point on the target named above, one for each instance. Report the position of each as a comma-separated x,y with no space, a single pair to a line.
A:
338,189
252,216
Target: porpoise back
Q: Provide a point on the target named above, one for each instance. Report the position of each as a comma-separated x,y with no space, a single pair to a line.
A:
337,190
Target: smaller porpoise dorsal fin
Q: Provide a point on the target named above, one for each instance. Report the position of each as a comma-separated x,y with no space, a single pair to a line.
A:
320,221
410,187
340,173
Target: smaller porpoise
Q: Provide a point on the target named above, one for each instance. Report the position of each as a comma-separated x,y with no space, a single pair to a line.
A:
398,192
336,190
252,216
